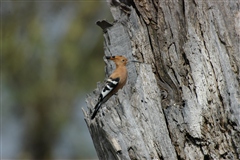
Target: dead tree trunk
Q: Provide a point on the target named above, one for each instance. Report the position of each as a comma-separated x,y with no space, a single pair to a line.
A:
183,100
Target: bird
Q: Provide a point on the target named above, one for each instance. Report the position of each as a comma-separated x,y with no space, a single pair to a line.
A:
115,81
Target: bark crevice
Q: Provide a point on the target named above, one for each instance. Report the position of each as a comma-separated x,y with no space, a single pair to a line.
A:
182,100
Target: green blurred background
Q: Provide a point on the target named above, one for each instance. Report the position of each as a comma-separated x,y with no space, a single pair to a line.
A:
51,57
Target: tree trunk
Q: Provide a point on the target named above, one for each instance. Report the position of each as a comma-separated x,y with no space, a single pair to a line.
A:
183,100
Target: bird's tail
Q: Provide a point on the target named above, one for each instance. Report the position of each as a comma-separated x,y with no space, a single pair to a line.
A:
96,108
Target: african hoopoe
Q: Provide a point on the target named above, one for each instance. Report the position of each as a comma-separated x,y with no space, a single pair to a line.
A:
115,82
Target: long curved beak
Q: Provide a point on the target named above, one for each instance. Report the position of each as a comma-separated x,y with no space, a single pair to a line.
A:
110,57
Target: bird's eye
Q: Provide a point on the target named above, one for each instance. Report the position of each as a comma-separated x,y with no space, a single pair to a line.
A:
123,60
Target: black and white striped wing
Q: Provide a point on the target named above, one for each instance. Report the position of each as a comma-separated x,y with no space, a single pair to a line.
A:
109,86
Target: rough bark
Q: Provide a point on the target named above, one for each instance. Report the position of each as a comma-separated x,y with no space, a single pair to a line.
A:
183,100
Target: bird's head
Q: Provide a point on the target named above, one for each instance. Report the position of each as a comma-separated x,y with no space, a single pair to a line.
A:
119,60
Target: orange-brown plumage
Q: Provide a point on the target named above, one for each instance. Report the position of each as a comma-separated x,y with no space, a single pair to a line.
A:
115,81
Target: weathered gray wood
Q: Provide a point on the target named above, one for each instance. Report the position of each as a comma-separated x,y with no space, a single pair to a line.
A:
183,100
